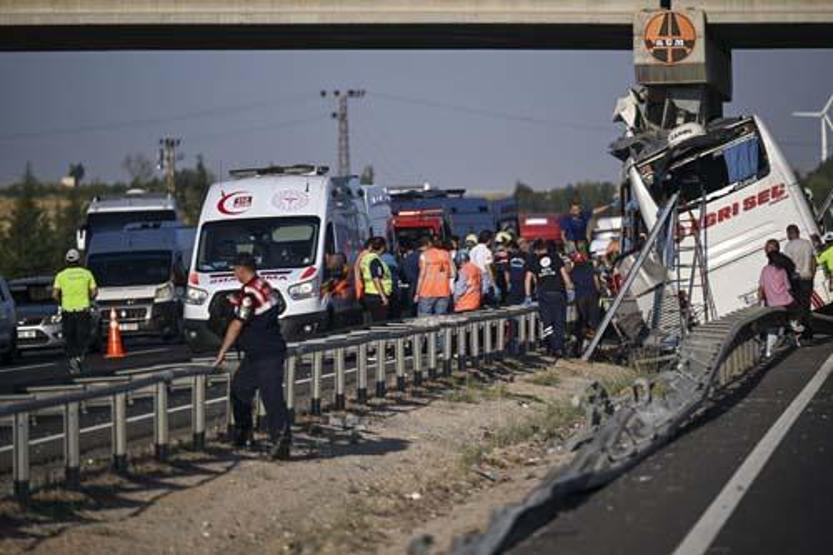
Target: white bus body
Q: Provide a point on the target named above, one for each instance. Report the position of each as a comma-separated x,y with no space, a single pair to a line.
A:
752,195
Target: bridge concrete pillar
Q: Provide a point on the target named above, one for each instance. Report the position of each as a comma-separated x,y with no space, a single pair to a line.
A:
687,73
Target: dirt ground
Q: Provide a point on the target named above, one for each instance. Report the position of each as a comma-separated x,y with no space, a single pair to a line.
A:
409,475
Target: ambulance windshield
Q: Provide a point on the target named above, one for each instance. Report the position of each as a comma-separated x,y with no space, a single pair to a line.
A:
274,242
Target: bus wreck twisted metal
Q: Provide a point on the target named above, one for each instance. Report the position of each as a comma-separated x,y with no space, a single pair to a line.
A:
736,190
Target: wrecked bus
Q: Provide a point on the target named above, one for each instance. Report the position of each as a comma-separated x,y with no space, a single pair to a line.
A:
734,183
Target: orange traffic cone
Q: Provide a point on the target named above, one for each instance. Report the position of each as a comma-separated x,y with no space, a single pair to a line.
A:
115,347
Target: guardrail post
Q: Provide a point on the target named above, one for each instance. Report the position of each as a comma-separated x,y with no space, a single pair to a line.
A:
381,366
432,355
400,364
532,330
317,366
501,338
291,365
361,378
487,341
461,346
21,457
520,338
416,344
340,402
72,447
474,338
198,412
119,441
160,421
448,334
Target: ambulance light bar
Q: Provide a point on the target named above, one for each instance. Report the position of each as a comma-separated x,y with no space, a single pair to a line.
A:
297,169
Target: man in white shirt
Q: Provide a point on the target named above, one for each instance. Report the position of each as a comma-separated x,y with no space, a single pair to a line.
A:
803,256
482,257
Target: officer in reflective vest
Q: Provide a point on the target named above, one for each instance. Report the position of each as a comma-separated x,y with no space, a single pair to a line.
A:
74,289
377,281
257,332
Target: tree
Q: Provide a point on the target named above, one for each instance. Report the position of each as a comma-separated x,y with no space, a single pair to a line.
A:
67,220
368,175
139,168
77,172
191,187
26,245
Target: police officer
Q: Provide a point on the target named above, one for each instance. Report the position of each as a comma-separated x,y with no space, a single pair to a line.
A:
256,331
552,282
74,289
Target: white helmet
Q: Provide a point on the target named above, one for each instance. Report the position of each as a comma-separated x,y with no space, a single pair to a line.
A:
73,256
827,237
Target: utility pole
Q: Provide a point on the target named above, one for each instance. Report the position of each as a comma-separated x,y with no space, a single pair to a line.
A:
167,161
343,126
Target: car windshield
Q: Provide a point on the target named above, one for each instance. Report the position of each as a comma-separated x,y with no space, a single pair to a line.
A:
32,294
274,242
130,268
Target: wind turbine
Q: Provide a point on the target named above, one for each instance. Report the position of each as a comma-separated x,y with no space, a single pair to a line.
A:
824,120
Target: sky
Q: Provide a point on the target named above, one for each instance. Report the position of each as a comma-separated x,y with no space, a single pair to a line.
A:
475,119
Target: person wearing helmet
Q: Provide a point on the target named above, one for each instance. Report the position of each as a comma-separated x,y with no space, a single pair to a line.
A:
74,289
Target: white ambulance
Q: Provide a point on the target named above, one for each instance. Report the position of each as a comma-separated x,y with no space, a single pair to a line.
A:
304,229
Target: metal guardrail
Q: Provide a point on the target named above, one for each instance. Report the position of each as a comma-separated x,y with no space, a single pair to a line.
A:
481,337
618,437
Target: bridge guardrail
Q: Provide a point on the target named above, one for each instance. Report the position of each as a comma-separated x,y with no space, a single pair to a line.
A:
429,340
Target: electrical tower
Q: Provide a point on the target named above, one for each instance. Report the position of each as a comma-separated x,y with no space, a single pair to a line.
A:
167,161
343,126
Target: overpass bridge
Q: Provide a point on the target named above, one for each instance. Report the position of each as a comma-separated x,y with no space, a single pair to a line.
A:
265,24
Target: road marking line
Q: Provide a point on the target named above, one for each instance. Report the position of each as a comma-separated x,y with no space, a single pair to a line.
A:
704,532
28,367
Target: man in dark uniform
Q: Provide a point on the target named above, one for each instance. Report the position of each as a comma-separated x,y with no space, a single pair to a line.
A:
552,280
256,331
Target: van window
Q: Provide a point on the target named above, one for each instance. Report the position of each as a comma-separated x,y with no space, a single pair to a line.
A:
120,269
274,242
329,240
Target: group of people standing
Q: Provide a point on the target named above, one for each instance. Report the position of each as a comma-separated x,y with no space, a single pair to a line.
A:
437,277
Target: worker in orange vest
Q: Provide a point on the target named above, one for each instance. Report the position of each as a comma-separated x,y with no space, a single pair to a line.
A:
468,289
435,272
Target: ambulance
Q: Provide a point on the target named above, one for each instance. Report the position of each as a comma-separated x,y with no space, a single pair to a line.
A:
304,229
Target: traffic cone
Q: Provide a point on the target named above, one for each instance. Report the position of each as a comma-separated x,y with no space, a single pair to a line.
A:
115,347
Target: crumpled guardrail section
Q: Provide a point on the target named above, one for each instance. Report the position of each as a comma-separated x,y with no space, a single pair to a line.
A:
710,357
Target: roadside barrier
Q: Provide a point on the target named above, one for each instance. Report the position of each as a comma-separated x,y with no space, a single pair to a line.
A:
427,343
621,433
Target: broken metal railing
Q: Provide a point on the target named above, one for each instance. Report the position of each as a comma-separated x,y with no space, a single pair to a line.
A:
711,357
482,337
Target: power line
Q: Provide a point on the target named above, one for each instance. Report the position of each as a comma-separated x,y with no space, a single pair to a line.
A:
482,112
111,126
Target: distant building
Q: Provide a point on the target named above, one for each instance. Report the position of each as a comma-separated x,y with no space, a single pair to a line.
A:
69,182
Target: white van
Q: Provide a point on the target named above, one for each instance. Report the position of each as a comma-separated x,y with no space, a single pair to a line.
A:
304,229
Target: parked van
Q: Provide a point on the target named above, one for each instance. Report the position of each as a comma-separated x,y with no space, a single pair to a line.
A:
304,229
141,272
113,213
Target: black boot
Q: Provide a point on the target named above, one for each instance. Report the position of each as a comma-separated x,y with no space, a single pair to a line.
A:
241,438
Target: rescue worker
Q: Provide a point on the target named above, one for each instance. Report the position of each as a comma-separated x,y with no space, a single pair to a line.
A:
516,275
377,281
552,283
586,284
357,275
825,258
74,289
468,287
256,330
433,290
482,257
501,264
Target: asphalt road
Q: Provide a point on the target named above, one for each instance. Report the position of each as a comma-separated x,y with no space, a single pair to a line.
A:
754,476
48,367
